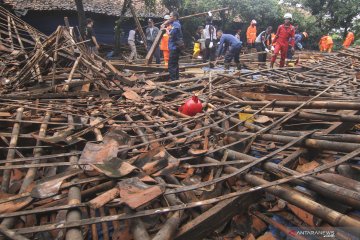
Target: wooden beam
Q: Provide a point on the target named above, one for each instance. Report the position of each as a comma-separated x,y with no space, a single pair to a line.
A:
153,47
212,219
150,68
138,25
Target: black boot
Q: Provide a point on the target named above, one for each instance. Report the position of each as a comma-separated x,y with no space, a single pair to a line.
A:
238,66
226,66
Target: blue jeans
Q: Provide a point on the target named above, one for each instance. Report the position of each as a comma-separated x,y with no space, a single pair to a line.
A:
233,53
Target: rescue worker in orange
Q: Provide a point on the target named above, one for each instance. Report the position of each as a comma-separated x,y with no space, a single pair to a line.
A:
329,44
251,34
322,43
326,43
285,37
349,40
164,44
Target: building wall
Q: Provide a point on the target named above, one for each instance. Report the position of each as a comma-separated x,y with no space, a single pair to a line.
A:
48,21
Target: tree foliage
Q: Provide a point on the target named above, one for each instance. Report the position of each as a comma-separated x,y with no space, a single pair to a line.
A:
332,14
316,17
266,12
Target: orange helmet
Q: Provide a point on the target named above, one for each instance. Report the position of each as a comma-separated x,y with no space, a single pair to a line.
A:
305,34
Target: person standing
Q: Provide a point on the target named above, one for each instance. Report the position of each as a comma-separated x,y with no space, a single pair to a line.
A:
90,37
151,33
164,43
251,34
322,43
210,39
176,43
234,45
329,43
284,37
350,38
132,44
263,44
197,41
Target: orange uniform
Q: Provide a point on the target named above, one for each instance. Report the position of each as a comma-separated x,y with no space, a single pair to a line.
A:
349,40
329,44
322,43
164,47
251,34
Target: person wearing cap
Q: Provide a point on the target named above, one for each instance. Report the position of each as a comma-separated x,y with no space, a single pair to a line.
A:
349,40
234,45
263,44
284,37
150,34
164,43
299,38
251,34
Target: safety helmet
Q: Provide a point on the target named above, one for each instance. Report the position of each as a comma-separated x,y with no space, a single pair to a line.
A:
288,16
253,21
305,34
167,17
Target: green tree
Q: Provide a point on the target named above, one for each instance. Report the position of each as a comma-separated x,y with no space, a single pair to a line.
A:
331,14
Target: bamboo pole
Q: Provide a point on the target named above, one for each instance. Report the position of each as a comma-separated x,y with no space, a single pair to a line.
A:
11,153
74,198
333,217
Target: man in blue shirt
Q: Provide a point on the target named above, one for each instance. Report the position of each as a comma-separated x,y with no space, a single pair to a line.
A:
299,38
234,45
176,42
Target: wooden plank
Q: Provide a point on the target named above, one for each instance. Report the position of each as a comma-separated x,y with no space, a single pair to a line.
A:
138,25
212,219
153,47
147,68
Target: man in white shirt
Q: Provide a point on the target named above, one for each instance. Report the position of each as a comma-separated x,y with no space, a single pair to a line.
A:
210,40
131,42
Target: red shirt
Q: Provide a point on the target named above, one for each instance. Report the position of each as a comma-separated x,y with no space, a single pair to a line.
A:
285,35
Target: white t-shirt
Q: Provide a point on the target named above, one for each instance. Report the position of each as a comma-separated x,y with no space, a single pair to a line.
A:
131,35
207,32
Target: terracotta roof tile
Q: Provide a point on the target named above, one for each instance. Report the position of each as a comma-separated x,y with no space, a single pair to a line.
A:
109,7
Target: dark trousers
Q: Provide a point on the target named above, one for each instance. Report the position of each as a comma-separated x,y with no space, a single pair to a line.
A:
156,53
174,64
233,53
209,52
260,48
251,45
289,54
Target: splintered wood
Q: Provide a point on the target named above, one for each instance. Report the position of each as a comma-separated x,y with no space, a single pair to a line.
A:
91,152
